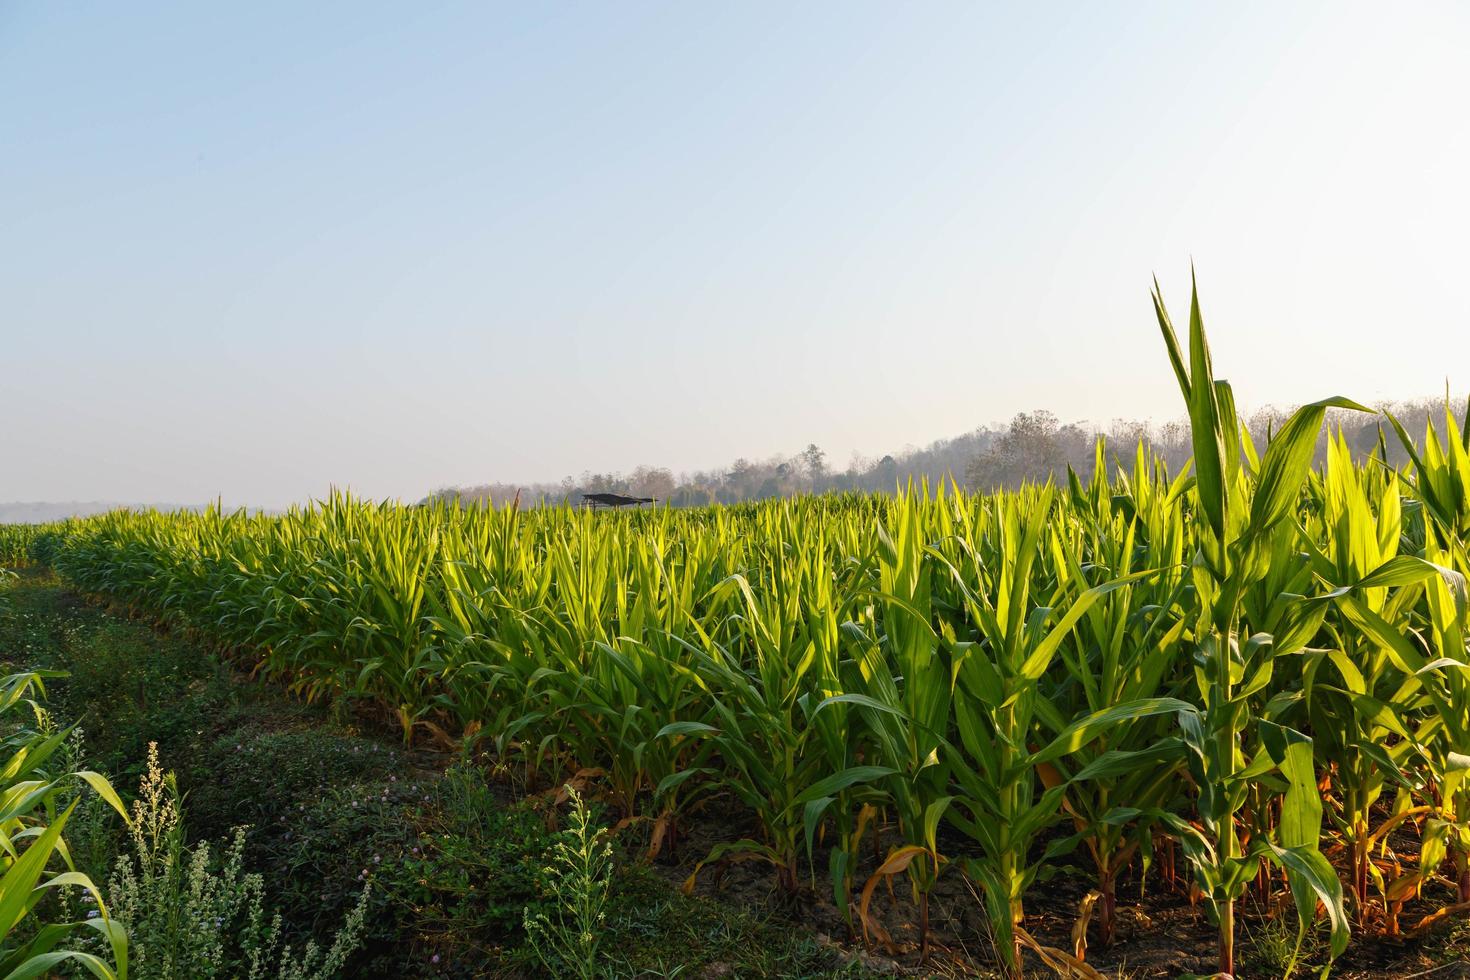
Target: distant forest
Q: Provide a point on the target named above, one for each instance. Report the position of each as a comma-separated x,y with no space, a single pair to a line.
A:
1032,447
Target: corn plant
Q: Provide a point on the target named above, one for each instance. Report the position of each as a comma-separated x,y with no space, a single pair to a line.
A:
17,544
31,835
1240,518
767,659
1356,693
1126,648
1004,643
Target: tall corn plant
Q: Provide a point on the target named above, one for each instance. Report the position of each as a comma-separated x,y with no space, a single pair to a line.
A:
31,837
769,656
1442,477
1126,648
1362,700
1003,641
1434,658
1442,484
17,542
900,683
1239,518
1446,679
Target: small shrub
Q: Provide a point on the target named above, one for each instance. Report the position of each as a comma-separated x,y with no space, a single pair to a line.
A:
193,915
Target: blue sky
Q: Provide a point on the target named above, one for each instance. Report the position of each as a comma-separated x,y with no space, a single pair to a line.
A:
254,251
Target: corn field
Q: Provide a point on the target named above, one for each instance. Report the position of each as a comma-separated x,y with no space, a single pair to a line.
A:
1255,664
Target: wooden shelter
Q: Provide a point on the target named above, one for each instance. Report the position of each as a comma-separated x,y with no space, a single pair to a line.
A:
614,500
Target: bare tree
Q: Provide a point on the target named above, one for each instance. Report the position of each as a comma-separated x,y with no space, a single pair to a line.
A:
652,481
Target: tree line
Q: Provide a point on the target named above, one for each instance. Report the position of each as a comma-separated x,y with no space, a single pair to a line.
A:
1032,447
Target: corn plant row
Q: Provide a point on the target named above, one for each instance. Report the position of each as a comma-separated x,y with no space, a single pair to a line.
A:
16,544
1258,666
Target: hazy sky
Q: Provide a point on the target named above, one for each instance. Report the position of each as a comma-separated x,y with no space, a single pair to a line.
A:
254,250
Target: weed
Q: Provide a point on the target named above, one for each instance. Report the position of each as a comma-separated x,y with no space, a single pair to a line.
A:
194,914
566,939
